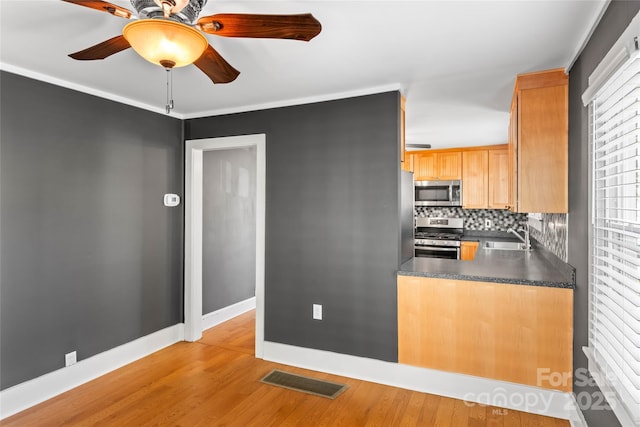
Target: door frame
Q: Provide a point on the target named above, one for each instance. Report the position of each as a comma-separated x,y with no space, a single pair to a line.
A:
194,150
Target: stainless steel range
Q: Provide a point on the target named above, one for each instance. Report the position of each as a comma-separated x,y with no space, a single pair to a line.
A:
438,237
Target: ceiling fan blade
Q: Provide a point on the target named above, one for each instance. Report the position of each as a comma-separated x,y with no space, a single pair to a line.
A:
298,27
102,50
104,7
215,67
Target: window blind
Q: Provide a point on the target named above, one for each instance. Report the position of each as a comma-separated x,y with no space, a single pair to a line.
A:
614,328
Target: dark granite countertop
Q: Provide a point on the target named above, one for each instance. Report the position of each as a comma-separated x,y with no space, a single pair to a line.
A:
538,267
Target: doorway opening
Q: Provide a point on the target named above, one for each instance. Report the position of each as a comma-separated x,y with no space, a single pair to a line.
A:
194,172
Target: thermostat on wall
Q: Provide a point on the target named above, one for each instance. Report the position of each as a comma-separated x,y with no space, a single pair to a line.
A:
171,200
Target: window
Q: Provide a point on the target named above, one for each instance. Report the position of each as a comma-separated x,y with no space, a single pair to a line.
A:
614,324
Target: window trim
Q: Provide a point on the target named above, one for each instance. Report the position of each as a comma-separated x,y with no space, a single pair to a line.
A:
623,51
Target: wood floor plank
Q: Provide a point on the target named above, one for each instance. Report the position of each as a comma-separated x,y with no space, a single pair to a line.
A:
477,415
395,413
384,405
361,409
413,411
338,412
444,413
460,416
430,408
512,419
215,382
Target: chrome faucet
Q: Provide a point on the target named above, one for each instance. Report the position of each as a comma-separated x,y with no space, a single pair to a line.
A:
526,239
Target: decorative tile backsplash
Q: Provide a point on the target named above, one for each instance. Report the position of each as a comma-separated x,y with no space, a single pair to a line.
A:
474,219
552,233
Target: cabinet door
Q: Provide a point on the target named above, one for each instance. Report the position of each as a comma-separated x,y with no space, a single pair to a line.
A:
424,166
468,250
513,155
538,143
450,165
498,179
474,179
407,165
542,150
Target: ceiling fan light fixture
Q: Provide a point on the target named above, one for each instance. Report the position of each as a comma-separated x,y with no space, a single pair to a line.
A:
163,42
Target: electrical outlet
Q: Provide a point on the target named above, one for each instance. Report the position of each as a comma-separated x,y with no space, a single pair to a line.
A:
317,311
488,223
70,358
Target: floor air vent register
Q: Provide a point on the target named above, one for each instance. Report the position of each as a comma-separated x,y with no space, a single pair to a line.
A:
304,384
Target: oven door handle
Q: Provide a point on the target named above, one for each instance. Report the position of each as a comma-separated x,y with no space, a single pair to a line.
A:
438,248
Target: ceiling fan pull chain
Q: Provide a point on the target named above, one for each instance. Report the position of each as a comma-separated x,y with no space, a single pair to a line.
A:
167,6
169,105
171,88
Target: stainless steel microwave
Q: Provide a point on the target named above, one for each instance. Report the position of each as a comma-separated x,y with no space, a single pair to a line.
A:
438,193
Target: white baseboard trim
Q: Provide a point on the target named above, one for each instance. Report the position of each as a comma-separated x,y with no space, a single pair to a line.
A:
37,390
503,394
576,418
214,318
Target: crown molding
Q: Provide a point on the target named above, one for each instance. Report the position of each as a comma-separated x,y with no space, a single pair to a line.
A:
296,101
84,89
198,114
586,36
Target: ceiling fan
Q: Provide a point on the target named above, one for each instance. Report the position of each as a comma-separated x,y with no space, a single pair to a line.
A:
166,33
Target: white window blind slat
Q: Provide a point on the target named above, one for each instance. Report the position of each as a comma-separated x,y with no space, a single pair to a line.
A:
610,307
617,88
624,362
620,270
624,386
626,244
614,327
621,123
626,106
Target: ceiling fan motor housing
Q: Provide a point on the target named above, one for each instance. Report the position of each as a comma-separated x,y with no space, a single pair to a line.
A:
153,9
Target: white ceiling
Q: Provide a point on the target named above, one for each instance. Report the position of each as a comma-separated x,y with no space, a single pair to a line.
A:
455,61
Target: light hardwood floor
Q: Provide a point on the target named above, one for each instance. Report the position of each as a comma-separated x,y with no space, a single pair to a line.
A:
215,382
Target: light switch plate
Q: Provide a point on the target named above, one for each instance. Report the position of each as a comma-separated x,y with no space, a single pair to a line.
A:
317,311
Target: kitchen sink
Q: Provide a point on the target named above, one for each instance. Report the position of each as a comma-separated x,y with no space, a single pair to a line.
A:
505,246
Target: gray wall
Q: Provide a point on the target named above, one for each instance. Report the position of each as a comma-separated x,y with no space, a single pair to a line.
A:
229,227
91,258
332,220
616,19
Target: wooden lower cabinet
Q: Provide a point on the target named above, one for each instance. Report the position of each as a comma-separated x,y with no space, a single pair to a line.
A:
516,333
468,250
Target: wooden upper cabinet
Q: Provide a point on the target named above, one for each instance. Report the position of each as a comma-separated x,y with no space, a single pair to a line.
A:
539,142
513,153
449,165
485,178
424,166
407,165
475,179
441,165
498,179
